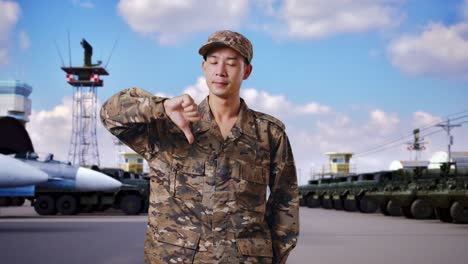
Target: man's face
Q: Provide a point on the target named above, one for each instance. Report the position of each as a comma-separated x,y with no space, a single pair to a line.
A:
224,71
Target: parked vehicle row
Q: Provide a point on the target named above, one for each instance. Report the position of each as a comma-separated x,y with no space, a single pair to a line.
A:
418,193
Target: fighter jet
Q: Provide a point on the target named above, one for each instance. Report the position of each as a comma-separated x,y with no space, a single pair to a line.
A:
66,176
15,173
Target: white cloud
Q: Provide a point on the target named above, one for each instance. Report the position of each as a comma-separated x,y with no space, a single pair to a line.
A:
382,121
198,91
277,105
24,42
321,18
423,119
50,132
9,15
170,21
437,51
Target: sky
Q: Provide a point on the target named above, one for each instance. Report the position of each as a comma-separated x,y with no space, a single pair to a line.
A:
343,75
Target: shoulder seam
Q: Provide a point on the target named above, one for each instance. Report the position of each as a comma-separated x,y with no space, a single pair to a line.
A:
270,119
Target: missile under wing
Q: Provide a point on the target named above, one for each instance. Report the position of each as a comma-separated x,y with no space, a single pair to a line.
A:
66,176
15,173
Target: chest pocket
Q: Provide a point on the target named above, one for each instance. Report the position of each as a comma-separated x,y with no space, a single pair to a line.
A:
188,177
251,194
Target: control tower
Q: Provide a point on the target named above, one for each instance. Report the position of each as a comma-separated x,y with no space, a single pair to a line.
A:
85,80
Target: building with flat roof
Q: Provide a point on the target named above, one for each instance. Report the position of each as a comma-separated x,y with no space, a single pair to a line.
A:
339,162
14,101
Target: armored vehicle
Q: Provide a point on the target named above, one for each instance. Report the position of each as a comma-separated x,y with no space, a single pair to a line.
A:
339,192
448,194
306,193
133,197
401,193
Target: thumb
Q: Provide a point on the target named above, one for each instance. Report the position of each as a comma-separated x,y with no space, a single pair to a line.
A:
188,134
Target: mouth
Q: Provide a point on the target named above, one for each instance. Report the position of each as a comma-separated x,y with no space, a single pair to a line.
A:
221,84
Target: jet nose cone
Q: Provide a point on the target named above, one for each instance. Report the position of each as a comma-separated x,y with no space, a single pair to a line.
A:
90,180
15,173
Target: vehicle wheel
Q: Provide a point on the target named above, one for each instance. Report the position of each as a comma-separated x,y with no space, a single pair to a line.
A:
45,205
406,210
350,205
327,204
367,205
5,201
131,204
393,208
145,205
459,213
67,205
338,204
302,202
421,209
383,209
17,201
311,202
443,214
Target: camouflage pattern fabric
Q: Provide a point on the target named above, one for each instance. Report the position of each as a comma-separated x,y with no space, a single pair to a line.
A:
208,201
231,39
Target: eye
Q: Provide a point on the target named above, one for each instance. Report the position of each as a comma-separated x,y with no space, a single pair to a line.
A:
212,61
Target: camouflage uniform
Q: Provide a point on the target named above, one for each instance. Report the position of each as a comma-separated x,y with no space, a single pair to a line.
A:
208,201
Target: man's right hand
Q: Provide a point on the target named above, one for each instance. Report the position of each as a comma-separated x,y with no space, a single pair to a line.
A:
182,110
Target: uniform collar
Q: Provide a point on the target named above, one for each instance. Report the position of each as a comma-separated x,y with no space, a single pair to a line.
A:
245,123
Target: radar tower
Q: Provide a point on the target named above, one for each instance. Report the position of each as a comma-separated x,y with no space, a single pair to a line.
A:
83,149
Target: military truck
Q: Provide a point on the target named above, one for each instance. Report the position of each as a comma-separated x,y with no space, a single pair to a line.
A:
132,198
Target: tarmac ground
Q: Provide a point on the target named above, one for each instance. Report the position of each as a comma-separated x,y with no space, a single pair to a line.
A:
327,237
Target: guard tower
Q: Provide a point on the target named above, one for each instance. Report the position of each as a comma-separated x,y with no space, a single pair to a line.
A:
339,162
133,162
83,149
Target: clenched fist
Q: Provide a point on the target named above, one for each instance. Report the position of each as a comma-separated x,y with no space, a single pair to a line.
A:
182,110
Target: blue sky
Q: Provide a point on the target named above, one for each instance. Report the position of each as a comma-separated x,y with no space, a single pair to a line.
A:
369,70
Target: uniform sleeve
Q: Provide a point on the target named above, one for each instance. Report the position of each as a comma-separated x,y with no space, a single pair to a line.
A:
131,116
283,202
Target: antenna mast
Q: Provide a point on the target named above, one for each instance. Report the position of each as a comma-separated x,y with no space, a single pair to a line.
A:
417,144
85,80
448,127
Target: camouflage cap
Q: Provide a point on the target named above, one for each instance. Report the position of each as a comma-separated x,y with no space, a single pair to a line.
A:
231,39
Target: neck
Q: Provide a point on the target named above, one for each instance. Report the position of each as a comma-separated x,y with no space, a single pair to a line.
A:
224,109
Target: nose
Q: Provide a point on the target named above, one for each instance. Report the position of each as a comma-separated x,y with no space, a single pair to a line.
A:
221,69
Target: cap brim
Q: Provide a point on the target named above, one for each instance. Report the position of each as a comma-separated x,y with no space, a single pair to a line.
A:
205,48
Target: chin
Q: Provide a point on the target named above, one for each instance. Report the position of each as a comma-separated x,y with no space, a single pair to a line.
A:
220,93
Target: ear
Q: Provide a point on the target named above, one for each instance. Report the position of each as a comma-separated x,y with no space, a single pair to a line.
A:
247,71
